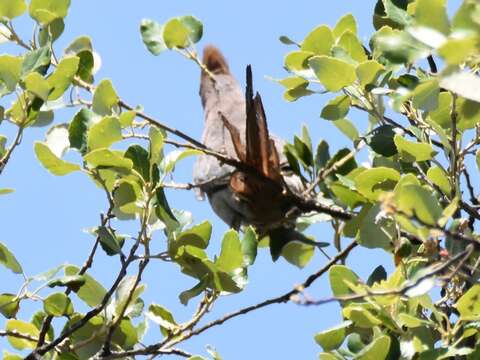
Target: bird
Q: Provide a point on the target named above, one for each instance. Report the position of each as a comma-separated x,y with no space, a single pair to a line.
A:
235,125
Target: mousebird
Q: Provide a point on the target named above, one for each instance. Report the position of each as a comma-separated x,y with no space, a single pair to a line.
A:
235,125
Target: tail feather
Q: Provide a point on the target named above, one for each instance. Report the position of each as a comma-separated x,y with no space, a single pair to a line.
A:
214,60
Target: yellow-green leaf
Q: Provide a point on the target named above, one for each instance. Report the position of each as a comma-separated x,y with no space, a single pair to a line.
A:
10,67
45,11
346,23
411,151
12,8
104,133
334,74
104,98
24,328
62,77
318,41
51,162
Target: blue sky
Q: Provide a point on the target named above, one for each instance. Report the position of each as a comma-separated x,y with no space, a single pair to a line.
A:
42,221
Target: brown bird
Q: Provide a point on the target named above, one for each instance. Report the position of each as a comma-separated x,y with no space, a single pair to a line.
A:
235,125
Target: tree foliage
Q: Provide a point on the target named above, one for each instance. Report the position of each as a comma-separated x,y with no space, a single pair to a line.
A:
416,81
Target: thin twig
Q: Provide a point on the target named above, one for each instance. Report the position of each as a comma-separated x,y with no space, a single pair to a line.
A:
18,139
409,285
284,298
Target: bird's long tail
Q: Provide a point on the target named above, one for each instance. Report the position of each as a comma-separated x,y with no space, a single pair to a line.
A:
214,60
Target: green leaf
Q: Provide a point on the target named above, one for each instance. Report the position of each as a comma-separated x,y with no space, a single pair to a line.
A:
323,154
369,71
8,260
292,82
411,151
337,108
126,118
392,13
104,133
12,8
139,157
286,40
125,198
156,145
45,11
128,291
410,321
91,292
62,77
72,281
341,278
194,26
353,46
198,236
170,160
298,254
377,275
231,255
303,152
373,182
346,23
332,338
432,14
152,36
425,95
438,176
382,140
346,195
464,84
104,98
456,51
464,18
468,114
163,317
374,232
125,335
318,41
361,316
185,296
10,68
77,130
296,93
36,60
347,128
82,47
9,305
347,166
51,162
37,85
442,114
24,328
398,46
108,158
477,158
176,34
334,74
297,61
51,32
249,246
164,213
468,304
327,356
58,304
414,200
376,350
109,242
